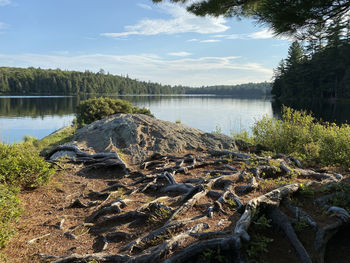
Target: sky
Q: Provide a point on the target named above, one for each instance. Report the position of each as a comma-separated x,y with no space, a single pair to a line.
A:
151,42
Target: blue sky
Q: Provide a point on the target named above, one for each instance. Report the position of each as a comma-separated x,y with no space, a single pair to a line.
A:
159,43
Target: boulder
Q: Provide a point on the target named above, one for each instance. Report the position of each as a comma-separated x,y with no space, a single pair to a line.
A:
139,135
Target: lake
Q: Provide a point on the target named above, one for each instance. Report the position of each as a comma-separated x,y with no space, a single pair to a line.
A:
39,116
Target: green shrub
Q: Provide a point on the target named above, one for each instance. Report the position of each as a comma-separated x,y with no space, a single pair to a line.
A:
21,166
9,213
300,135
95,109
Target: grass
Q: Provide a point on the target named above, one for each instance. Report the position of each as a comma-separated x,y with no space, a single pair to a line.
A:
47,143
300,135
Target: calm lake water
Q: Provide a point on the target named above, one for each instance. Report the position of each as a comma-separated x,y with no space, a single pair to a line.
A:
39,116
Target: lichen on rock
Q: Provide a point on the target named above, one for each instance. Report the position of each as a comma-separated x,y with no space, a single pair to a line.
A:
138,136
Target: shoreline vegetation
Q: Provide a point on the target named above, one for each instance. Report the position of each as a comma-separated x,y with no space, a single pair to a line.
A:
26,81
297,134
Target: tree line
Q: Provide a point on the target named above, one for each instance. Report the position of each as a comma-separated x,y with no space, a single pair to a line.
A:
249,90
53,82
29,81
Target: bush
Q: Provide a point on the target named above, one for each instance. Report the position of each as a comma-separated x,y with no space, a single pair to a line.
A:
9,213
22,167
300,135
95,109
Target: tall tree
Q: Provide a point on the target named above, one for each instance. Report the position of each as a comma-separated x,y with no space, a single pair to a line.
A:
295,55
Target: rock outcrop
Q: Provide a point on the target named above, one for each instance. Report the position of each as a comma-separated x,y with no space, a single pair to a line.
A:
140,135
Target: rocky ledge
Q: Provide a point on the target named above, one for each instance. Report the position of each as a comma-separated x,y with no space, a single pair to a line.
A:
139,136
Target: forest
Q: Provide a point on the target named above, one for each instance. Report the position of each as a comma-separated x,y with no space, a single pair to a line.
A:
54,82
29,81
318,68
248,90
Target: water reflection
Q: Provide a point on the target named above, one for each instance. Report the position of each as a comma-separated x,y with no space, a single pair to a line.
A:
338,112
39,116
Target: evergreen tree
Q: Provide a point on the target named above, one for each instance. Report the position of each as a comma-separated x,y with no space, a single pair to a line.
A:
284,16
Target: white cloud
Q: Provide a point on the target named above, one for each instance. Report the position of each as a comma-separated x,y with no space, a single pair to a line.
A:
193,40
263,34
180,54
232,36
181,22
210,41
184,71
144,6
4,2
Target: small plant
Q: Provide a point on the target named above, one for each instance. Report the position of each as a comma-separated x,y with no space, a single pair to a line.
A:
159,215
261,223
341,199
259,242
178,121
300,225
212,255
159,239
274,183
244,136
218,129
232,204
306,191
257,246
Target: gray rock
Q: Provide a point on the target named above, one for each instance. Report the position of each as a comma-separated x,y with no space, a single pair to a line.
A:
140,135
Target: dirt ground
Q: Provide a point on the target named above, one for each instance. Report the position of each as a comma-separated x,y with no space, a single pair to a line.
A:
49,218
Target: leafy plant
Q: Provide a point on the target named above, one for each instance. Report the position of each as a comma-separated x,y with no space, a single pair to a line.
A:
300,225
10,211
95,109
306,191
231,203
159,215
21,166
258,243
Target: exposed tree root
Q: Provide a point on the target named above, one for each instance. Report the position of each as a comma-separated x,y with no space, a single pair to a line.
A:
211,192
91,160
283,223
